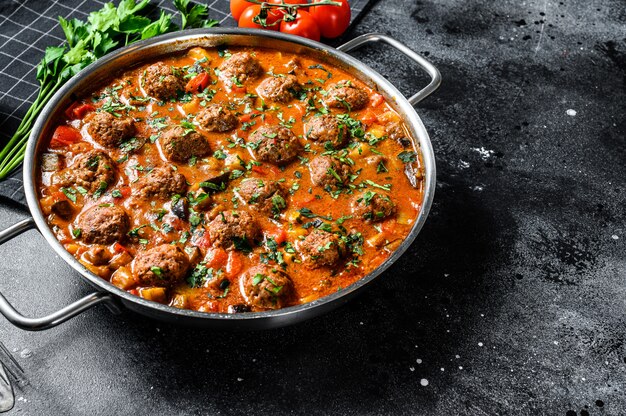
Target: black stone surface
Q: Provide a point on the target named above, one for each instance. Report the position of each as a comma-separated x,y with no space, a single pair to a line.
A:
511,301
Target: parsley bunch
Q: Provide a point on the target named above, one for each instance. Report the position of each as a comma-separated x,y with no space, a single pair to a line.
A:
106,29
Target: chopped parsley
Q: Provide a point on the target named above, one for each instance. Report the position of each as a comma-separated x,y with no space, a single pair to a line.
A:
200,275
306,212
407,157
69,193
102,186
386,187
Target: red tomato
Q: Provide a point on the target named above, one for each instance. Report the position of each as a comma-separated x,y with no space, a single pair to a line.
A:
304,26
235,264
288,1
65,135
119,248
198,83
204,241
69,113
332,20
279,235
246,19
78,110
218,258
369,118
260,170
125,191
266,170
59,196
237,7
249,116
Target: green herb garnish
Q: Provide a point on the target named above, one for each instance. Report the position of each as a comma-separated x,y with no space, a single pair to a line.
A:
105,30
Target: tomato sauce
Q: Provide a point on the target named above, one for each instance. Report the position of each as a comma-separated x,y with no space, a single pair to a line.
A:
377,158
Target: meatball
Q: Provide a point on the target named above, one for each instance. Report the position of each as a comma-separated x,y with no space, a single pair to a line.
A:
275,144
179,144
242,66
328,172
93,170
103,224
216,118
233,229
279,88
263,287
346,95
161,266
160,183
108,130
264,196
373,206
161,81
328,128
321,248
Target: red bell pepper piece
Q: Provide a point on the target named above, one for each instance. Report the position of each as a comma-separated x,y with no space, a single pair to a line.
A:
218,258
119,248
78,111
279,235
235,264
369,118
64,136
198,83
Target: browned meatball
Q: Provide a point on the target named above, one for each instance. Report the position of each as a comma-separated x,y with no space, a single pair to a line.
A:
327,128
160,183
328,172
108,130
180,144
161,81
346,95
373,206
103,224
279,88
321,248
216,118
93,170
275,144
242,66
264,287
161,266
264,196
237,230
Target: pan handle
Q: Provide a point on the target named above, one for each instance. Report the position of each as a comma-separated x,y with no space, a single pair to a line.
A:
56,318
435,76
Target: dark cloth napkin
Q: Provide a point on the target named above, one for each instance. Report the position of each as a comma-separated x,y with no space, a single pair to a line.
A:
27,27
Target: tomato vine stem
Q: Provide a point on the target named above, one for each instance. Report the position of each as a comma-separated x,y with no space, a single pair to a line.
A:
290,10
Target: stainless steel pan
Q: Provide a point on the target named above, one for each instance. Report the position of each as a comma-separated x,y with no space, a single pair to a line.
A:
102,69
